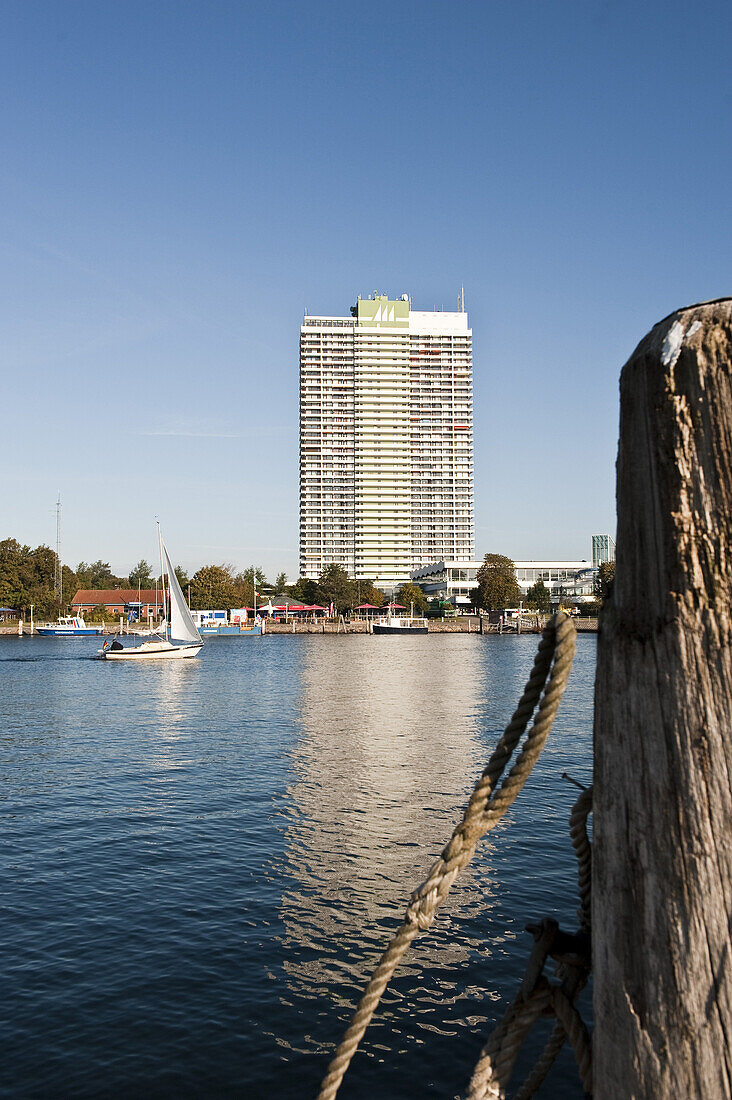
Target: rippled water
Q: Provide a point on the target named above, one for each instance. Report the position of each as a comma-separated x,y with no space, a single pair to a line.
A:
202,861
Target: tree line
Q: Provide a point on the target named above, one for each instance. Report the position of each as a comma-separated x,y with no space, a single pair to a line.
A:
219,586
29,577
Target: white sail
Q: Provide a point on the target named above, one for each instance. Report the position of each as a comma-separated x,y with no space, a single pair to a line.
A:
182,626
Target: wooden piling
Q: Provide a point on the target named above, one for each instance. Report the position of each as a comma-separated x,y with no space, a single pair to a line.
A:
662,862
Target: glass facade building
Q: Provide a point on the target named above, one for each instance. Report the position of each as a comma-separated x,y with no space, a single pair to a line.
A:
603,549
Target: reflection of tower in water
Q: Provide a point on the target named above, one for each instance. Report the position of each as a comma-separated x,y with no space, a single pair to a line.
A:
387,757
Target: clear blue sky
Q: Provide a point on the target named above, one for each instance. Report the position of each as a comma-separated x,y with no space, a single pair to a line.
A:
180,181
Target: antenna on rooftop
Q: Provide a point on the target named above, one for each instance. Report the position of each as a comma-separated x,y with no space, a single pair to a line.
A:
462,299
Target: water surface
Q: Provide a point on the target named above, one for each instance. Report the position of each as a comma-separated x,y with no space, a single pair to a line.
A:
201,862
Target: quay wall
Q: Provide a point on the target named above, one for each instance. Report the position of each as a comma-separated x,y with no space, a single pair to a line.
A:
465,624
468,624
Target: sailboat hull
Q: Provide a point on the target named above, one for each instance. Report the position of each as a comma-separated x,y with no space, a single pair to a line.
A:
153,651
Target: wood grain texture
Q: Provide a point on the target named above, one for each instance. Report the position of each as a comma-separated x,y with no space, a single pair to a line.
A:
662,870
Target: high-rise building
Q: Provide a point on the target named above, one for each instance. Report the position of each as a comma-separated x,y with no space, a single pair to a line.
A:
386,440
603,549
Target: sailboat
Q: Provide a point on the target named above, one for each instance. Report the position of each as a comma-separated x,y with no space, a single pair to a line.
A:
178,641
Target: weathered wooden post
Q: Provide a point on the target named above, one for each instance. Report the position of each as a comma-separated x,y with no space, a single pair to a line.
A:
662,874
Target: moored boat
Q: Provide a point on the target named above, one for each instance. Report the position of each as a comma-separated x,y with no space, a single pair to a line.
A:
68,626
230,630
399,624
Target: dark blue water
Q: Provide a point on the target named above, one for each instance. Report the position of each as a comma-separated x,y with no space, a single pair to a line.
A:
200,862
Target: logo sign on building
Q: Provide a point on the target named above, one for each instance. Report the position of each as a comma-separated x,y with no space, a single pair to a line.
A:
381,312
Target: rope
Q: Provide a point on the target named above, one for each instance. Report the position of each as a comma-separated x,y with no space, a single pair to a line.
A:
493,1070
547,1058
495,1065
484,810
583,850
577,1034
554,1044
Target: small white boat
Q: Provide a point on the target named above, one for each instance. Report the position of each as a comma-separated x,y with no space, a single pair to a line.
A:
399,624
113,650
181,640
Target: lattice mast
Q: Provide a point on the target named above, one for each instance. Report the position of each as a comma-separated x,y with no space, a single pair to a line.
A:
58,580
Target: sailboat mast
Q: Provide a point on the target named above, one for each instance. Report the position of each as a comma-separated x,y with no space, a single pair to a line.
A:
162,574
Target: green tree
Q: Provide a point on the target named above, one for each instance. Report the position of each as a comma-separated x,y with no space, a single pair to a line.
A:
367,592
605,579
304,590
409,594
97,574
183,579
243,591
28,577
141,575
213,587
83,574
497,584
39,582
101,575
70,585
99,614
11,562
280,583
335,586
255,576
538,597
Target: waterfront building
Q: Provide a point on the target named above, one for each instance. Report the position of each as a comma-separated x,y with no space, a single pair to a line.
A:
575,579
603,549
386,440
453,581
457,581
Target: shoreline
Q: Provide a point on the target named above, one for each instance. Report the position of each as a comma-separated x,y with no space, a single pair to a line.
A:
466,624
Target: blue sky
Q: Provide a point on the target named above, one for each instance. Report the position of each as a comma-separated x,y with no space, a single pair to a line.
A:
180,181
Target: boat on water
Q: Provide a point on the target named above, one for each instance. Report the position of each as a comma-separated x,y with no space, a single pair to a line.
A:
399,624
180,640
68,626
236,623
230,630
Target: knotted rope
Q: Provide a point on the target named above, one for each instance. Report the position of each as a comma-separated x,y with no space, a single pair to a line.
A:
485,809
538,996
